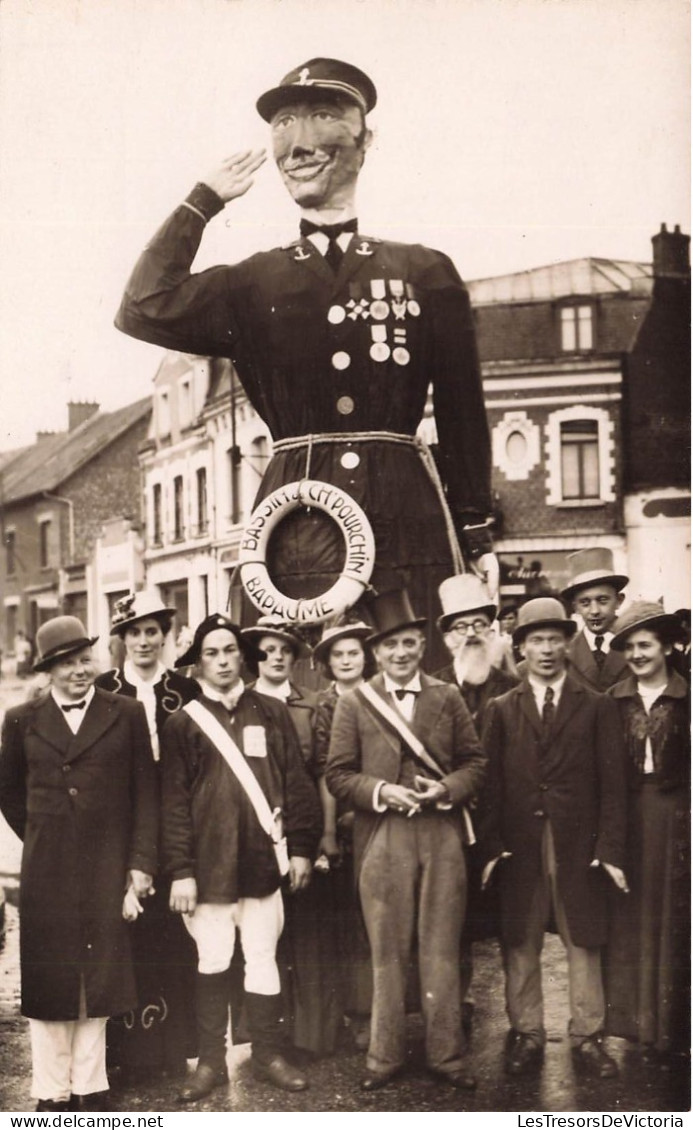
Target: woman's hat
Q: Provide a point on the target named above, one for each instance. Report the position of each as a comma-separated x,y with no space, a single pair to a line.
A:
461,594
272,626
592,567
392,612
356,630
644,614
543,612
316,79
138,606
58,638
249,651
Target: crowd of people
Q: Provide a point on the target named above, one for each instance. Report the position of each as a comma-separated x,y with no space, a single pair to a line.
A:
237,847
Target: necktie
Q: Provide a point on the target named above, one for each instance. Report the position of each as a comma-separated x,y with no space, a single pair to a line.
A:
548,710
401,692
74,706
334,253
599,655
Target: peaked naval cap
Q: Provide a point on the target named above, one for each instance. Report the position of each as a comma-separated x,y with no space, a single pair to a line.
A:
313,80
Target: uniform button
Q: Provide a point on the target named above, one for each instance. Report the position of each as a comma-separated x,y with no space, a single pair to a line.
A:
336,314
341,360
72,792
349,460
345,406
66,768
539,812
543,788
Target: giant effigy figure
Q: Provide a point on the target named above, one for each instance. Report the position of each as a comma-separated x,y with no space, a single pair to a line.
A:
336,338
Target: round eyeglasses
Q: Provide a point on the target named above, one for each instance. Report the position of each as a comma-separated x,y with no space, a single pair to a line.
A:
476,626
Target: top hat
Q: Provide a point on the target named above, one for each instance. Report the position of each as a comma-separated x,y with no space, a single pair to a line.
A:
314,79
392,612
542,612
465,592
645,614
139,606
273,626
249,651
592,567
356,630
58,638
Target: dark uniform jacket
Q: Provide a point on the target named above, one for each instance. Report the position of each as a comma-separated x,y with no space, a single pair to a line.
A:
363,751
209,828
583,668
345,354
85,806
576,779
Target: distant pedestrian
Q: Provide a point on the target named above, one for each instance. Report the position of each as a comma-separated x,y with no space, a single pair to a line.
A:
22,654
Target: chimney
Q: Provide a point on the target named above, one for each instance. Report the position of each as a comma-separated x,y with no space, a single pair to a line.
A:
79,411
671,254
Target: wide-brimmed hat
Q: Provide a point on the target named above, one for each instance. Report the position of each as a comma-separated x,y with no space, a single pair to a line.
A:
313,80
139,606
249,651
356,630
543,612
58,638
644,614
272,626
392,612
592,567
461,594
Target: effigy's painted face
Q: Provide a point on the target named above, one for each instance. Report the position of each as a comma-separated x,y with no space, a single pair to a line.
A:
319,149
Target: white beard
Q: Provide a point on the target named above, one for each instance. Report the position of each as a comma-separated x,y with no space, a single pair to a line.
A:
473,664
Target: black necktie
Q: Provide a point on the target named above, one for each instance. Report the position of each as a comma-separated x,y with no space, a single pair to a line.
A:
401,692
548,710
334,253
599,655
74,705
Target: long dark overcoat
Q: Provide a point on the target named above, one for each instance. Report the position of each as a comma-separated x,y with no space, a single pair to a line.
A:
85,806
575,779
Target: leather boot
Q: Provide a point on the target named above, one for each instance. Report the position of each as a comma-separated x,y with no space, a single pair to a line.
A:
212,1009
268,1062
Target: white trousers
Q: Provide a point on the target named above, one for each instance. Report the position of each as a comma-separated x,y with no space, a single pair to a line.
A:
260,923
68,1057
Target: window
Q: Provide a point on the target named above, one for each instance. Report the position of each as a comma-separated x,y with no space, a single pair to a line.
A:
185,403
580,456
10,562
580,459
163,414
233,456
157,532
178,516
44,543
259,456
516,445
201,479
576,329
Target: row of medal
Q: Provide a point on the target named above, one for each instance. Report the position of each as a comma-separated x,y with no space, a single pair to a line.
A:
401,302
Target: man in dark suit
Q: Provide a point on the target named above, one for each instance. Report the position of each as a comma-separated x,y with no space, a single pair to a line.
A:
336,339
595,594
78,786
553,821
407,788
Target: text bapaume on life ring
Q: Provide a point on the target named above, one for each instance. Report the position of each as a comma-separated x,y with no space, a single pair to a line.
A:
358,539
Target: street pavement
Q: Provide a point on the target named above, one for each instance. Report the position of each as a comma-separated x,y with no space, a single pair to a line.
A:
640,1087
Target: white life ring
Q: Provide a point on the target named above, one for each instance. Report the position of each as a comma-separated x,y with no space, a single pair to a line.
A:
358,565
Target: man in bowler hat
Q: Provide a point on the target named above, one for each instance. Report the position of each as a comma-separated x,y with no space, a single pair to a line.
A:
409,836
595,594
552,825
78,786
336,338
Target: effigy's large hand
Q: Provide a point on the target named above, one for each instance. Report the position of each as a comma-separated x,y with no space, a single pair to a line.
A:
235,174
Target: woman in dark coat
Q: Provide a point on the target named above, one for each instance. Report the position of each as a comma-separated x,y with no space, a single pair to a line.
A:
648,956
159,1036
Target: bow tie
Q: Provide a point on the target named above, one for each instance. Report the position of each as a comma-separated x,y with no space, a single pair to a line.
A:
402,691
332,231
74,705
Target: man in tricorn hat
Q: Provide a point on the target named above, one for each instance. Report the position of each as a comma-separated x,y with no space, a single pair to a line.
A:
336,338
405,756
595,593
78,786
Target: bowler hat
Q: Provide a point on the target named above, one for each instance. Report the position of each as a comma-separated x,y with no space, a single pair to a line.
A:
542,612
592,567
314,79
58,638
392,612
356,630
248,650
463,593
139,606
644,614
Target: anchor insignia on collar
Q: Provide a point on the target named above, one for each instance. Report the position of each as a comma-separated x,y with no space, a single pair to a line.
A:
300,255
364,249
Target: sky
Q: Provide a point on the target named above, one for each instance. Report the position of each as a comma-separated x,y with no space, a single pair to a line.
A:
508,133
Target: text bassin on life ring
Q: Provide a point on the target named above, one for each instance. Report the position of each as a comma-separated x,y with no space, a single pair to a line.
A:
358,539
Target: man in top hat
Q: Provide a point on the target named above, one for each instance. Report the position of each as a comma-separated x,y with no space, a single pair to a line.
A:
221,859
553,823
336,338
77,785
405,756
595,594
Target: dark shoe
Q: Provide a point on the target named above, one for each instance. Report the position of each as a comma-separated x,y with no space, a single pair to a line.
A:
591,1058
460,1080
374,1080
97,1100
202,1083
280,1073
53,1104
523,1055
